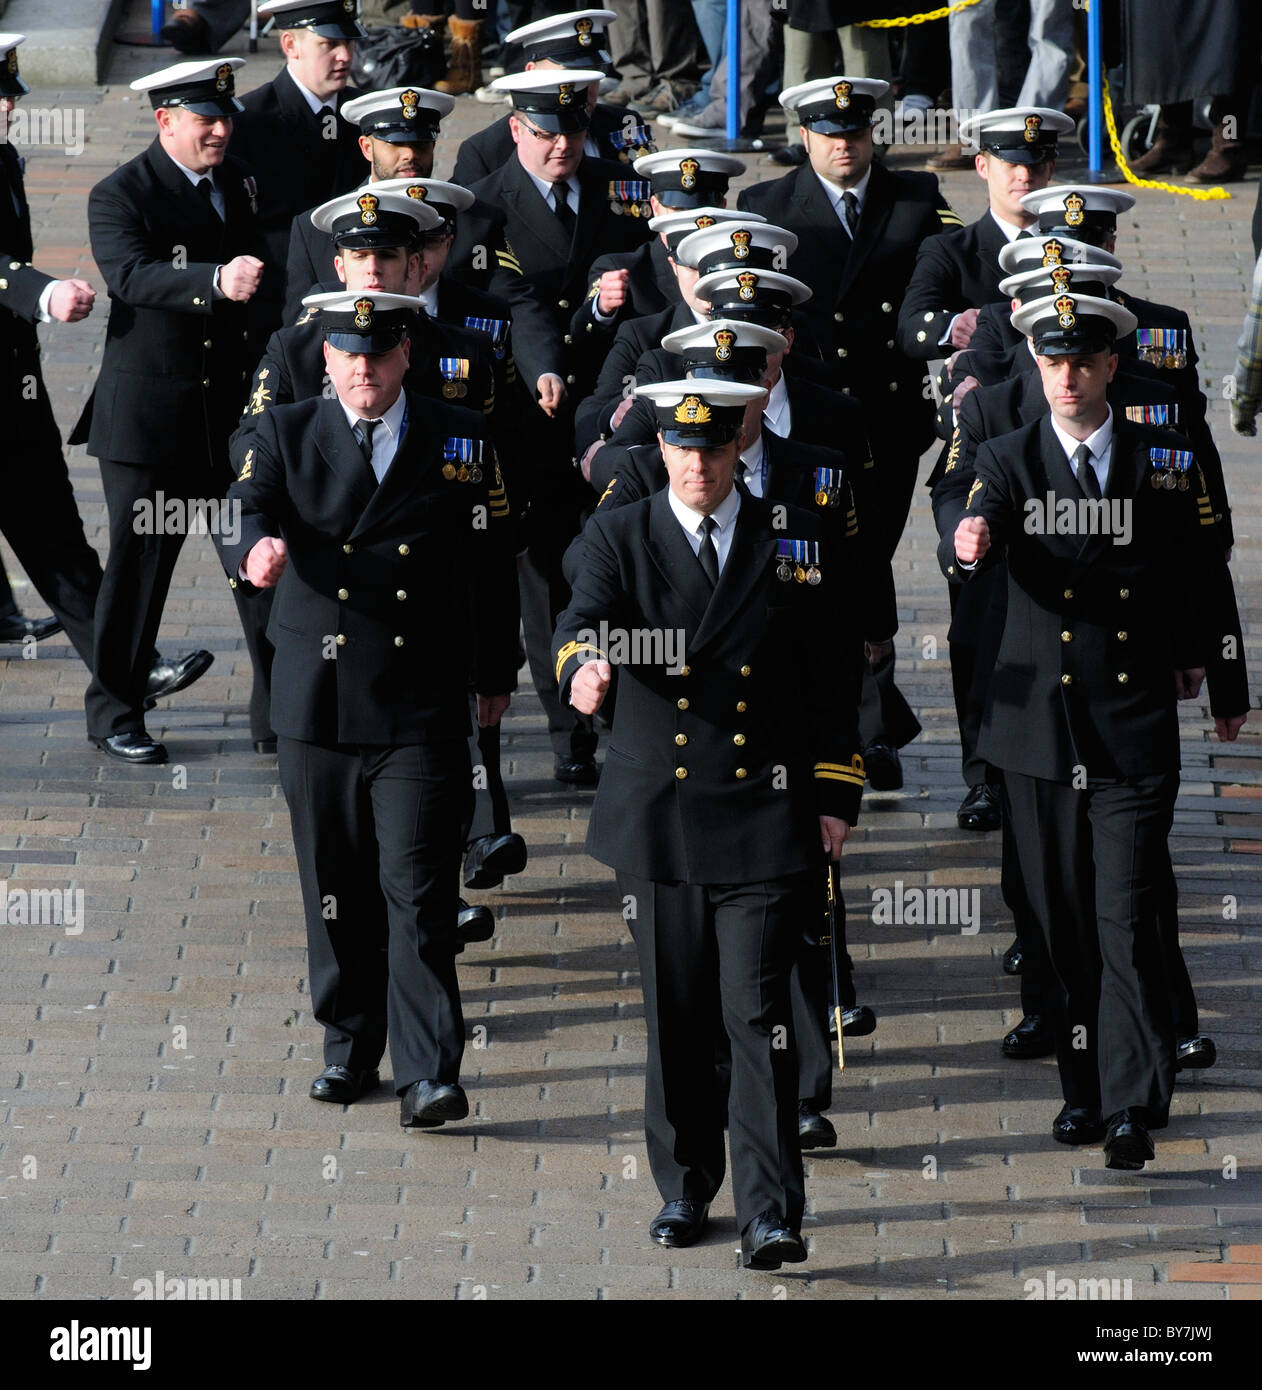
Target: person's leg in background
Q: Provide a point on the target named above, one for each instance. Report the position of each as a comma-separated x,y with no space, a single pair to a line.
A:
974,74
1051,38
1012,48
1228,158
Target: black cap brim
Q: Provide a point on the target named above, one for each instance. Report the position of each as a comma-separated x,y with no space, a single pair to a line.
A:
708,437
371,344
211,106
421,134
337,29
1062,344
838,125
374,239
13,87
1022,154
557,122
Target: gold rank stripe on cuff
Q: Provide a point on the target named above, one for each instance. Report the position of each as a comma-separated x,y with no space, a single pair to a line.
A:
843,772
950,218
506,261
572,649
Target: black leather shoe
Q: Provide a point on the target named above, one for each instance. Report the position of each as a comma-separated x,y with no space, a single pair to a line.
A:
17,628
166,677
815,1131
680,1223
788,157
135,746
1032,1037
1013,959
980,808
1077,1126
343,1086
490,858
428,1104
1195,1054
475,923
578,774
265,745
857,1022
883,767
1127,1144
767,1243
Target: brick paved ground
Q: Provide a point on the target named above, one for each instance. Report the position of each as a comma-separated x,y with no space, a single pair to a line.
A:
154,1068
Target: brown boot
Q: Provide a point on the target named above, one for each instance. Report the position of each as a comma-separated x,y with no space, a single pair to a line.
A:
423,21
1226,161
1171,153
464,67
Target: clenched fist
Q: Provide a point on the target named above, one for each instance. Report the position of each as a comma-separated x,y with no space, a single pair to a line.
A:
240,277
266,562
71,301
613,291
590,686
963,327
972,539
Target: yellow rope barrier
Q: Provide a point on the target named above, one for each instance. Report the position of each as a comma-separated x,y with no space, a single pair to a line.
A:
915,18
1202,195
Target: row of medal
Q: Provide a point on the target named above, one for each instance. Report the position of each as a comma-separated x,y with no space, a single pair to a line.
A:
469,453
798,560
828,487
1162,347
497,328
455,373
630,144
1171,467
1162,414
630,197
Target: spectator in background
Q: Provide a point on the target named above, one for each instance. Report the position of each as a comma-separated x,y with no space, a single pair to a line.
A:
761,61
205,26
1247,397
655,47
711,17
975,65
814,32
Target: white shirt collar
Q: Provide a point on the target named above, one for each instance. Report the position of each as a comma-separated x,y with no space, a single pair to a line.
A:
314,102
776,411
429,300
391,427
724,514
1098,445
545,185
752,460
193,177
1009,230
835,190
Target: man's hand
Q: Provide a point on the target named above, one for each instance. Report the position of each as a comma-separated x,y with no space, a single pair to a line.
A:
585,463
1228,728
613,291
878,652
590,685
491,709
266,562
968,384
620,414
963,328
71,301
551,390
833,833
1187,684
972,539
240,277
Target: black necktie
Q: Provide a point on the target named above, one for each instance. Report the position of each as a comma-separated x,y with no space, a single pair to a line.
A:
1024,235
366,428
206,187
565,214
707,555
1088,481
852,213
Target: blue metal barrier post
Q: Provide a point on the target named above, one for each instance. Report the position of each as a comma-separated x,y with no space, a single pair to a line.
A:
1095,93
157,9
733,71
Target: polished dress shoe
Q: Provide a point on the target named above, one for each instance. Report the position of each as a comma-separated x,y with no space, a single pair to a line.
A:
17,628
790,157
474,923
856,1022
490,858
188,32
767,1243
1127,1144
583,773
134,746
428,1104
1013,959
1032,1037
815,1131
343,1086
883,768
265,745
1075,1125
980,808
1195,1054
679,1223
166,677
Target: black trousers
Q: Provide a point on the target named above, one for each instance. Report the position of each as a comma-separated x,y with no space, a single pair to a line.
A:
41,522
978,611
133,594
378,833
491,815
1094,861
707,950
